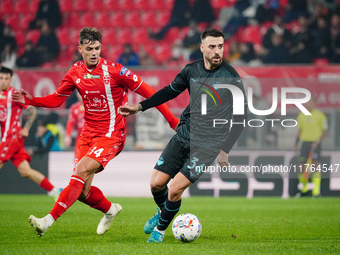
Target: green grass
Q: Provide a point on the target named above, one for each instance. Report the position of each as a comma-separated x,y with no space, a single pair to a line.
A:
230,226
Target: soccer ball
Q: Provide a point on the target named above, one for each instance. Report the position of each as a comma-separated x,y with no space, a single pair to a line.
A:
186,227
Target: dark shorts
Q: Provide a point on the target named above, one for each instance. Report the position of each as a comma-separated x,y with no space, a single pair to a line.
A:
179,157
305,150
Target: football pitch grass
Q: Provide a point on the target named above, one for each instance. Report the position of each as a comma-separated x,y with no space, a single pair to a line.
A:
229,226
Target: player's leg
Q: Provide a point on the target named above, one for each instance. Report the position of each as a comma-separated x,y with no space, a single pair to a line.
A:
316,175
102,150
84,170
26,171
95,198
159,190
303,174
171,207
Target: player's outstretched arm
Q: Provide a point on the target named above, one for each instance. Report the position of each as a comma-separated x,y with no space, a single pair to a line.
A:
126,110
19,96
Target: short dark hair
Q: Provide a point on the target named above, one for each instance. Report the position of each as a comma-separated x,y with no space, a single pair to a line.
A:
6,70
211,32
89,35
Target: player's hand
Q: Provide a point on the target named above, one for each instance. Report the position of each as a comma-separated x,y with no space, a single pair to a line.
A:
68,141
126,110
222,159
23,132
19,96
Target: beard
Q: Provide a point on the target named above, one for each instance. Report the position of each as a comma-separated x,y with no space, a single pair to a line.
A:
213,62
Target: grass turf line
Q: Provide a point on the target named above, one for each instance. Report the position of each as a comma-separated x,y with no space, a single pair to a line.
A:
230,226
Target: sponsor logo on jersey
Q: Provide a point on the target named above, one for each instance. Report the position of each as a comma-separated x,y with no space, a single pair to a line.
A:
160,161
123,70
91,76
128,73
2,96
106,79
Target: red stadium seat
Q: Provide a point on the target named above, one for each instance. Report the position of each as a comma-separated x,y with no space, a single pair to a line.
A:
6,6
163,18
33,6
132,18
25,20
12,20
112,52
103,19
21,6
118,19
168,4
110,5
124,35
86,19
63,35
125,4
163,53
80,5
65,6
73,37
140,35
20,37
172,34
141,4
156,5
251,34
73,20
96,5
109,36
148,19
33,35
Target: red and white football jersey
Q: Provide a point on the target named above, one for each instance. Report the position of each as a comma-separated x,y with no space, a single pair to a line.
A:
75,118
103,89
10,113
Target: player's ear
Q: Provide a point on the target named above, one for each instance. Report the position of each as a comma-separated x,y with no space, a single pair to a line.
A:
201,47
79,49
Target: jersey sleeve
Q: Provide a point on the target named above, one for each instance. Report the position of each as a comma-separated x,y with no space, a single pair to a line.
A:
56,99
127,78
324,123
176,87
299,120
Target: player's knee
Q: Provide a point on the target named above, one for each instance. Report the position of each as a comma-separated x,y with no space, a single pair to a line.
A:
175,193
24,173
156,187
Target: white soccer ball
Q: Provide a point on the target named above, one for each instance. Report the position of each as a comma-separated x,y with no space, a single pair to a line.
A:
186,227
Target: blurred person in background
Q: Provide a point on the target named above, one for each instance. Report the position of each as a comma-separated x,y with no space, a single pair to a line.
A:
233,53
47,47
335,38
13,136
45,140
312,129
302,42
8,57
29,57
48,11
128,57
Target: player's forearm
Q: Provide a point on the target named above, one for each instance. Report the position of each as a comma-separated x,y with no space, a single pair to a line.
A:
32,113
160,97
50,101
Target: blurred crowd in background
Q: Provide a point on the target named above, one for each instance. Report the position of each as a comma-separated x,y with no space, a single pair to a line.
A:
43,33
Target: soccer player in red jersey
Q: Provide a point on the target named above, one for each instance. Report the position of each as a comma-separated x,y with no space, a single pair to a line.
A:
103,86
12,135
75,118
